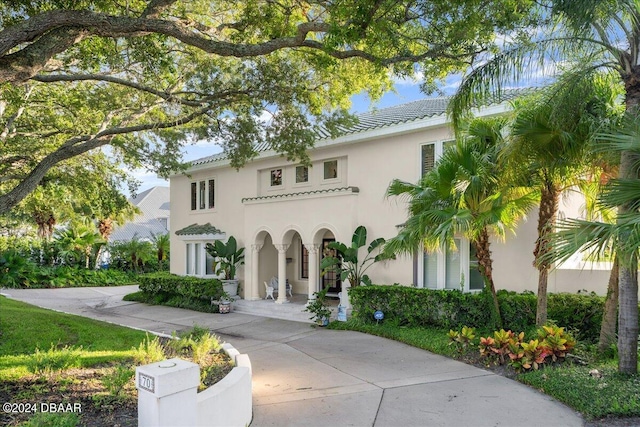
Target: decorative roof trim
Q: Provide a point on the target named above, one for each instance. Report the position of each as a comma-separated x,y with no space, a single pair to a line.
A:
304,194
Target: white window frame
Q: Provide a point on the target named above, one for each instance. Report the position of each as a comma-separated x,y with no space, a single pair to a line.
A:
306,183
464,250
338,171
199,201
438,151
196,258
282,177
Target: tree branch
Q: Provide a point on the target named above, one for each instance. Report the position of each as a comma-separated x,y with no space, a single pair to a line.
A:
79,145
55,31
167,96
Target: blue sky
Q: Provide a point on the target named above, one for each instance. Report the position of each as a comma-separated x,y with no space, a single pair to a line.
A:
405,91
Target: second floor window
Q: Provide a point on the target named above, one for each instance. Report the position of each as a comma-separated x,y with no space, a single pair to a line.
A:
302,174
276,177
331,169
203,194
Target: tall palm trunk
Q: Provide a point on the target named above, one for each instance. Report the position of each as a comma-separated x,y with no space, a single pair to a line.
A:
485,264
610,311
547,215
628,280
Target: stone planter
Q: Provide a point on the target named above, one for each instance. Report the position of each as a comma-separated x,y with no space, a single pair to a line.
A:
230,287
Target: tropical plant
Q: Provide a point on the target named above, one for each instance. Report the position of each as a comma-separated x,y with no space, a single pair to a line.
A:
597,238
162,245
226,257
346,262
589,35
318,307
133,253
550,148
16,270
462,339
469,193
77,242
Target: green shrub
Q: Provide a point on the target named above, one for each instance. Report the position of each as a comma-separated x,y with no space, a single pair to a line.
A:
194,288
452,309
16,270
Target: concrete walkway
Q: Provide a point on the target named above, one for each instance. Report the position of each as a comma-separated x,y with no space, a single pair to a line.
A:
308,376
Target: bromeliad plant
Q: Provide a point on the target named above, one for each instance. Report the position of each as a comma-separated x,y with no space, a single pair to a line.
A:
346,262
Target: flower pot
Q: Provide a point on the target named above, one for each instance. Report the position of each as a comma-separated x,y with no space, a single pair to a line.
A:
322,322
230,287
224,307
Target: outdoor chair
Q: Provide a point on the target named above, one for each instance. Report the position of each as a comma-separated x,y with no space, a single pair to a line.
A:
269,290
274,284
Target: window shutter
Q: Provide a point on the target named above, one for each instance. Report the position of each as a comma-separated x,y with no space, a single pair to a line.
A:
212,193
428,157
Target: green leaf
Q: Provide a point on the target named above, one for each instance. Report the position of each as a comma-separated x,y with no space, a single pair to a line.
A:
359,238
373,245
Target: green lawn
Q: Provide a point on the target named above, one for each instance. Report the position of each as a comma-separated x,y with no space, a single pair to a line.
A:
25,328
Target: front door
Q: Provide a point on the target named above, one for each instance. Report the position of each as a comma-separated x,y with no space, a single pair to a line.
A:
330,279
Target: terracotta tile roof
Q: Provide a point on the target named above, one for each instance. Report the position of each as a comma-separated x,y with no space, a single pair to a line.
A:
385,117
197,229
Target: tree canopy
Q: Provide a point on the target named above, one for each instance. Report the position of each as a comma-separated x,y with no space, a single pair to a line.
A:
146,76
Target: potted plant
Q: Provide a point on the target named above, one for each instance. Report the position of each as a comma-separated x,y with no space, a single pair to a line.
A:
226,259
346,262
318,308
224,304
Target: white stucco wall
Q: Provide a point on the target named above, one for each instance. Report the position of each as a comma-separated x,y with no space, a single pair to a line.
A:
368,165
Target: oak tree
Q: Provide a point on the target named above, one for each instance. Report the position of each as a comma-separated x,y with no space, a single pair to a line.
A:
146,77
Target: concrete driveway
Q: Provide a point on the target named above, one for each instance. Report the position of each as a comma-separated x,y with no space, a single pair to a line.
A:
308,376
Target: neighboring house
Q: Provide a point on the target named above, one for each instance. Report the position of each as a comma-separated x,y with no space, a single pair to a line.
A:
152,220
286,213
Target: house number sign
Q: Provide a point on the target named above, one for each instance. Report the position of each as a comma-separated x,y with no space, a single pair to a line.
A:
146,382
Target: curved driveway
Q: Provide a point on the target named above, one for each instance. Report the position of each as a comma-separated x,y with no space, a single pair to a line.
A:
307,376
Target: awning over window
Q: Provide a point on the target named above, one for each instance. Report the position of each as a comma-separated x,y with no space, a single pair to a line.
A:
201,232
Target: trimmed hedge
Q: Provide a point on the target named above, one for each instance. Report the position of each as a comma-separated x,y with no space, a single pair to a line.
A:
406,305
168,286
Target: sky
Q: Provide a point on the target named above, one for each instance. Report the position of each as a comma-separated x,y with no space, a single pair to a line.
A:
405,91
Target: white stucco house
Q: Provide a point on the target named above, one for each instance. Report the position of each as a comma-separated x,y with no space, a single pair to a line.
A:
285,213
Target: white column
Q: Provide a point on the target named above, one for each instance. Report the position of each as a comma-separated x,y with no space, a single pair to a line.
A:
314,263
282,273
254,286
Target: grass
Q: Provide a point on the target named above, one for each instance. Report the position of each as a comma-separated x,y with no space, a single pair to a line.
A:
432,339
612,395
30,334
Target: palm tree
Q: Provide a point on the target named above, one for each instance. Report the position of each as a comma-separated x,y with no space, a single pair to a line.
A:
467,193
598,239
591,35
161,243
78,241
549,147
